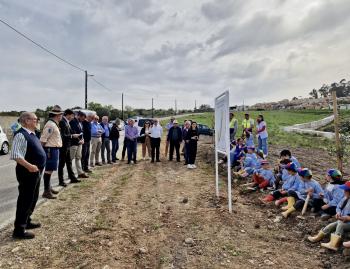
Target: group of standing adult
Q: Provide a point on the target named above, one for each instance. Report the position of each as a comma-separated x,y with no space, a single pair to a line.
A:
248,126
79,137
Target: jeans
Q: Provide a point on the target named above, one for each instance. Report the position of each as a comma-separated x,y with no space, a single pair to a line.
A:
174,144
337,227
262,145
106,145
186,153
85,155
115,147
132,150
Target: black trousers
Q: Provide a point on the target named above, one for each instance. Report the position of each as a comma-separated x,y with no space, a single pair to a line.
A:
174,144
155,145
28,193
85,155
124,148
192,152
65,160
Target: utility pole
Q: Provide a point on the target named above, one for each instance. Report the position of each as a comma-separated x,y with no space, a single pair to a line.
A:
195,105
86,81
122,106
86,88
336,129
152,109
175,106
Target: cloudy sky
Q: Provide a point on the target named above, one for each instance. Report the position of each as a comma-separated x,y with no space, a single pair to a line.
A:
185,50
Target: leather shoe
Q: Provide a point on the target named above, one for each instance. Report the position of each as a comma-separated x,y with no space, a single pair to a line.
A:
75,181
33,225
22,234
62,184
99,164
48,195
54,192
88,171
83,176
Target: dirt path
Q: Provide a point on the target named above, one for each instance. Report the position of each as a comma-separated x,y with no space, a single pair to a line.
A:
161,216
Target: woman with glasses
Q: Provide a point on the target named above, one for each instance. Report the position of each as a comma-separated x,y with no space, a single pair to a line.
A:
192,140
145,139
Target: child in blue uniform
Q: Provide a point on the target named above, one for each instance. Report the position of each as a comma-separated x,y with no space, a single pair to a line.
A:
332,194
291,180
249,163
263,177
285,157
307,186
339,227
249,139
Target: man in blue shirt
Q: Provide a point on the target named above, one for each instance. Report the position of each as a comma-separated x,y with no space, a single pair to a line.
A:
106,144
131,134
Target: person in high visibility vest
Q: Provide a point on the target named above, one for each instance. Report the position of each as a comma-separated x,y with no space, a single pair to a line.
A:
233,126
247,123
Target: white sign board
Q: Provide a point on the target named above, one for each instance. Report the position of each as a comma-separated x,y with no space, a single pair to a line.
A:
222,140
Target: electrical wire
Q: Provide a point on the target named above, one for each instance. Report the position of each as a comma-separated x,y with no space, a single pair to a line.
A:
41,46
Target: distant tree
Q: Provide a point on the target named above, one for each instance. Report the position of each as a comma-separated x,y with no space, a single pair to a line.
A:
314,94
294,98
324,91
205,108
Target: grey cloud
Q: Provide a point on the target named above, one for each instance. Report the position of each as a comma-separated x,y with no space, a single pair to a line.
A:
220,9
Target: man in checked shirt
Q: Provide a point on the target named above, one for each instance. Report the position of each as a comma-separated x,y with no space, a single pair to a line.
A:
30,156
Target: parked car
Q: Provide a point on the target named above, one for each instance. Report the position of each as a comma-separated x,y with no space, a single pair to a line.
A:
205,130
4,142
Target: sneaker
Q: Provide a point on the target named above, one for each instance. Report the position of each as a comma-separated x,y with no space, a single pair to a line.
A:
189,166
194,166
143,158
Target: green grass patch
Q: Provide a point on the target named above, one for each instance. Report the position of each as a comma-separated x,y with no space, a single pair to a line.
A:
276,120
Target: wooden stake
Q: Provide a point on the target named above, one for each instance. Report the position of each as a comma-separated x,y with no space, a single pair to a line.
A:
336,129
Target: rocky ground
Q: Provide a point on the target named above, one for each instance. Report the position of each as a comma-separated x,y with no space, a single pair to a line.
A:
166,216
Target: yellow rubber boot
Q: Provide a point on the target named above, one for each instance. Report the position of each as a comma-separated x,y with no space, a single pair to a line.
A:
291,202
317,238
288,212
334,243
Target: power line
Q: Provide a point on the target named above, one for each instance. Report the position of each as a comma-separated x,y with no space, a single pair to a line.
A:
99,83
41,46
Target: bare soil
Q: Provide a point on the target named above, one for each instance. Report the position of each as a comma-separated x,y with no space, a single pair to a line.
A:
166,216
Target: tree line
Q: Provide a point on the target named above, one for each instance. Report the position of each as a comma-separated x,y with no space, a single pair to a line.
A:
114,113
342,88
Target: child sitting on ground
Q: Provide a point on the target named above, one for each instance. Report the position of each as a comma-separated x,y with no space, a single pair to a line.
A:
306,187
263,177
249,139
337,228
291,181
332,194
285,157
248,163
236,153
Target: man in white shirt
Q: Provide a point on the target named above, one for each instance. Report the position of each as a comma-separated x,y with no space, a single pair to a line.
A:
156,135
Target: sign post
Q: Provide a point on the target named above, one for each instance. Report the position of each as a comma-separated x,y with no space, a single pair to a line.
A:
222,141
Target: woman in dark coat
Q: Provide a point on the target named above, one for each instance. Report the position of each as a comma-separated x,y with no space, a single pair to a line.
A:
192,140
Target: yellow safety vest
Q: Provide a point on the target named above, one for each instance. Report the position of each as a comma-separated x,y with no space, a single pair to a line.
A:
232,122
247,124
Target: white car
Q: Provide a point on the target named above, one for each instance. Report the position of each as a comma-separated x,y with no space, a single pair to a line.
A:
4,143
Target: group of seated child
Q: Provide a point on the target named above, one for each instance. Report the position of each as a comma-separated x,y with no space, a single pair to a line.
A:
291,184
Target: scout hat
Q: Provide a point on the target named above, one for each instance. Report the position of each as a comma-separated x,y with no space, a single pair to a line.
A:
56,110
291,167
336,176
304,172
345,187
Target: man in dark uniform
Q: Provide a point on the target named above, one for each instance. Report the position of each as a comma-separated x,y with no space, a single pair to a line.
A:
65,159
30,156
85,152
